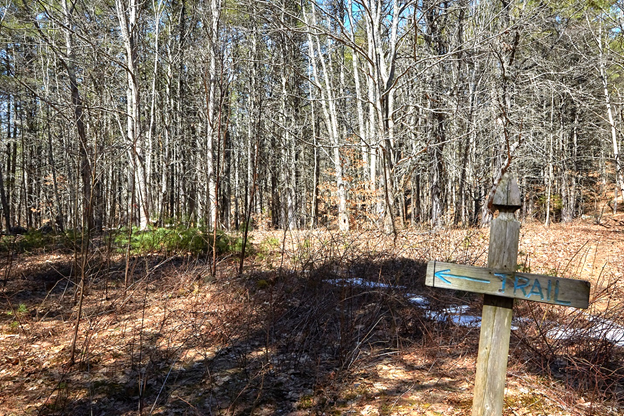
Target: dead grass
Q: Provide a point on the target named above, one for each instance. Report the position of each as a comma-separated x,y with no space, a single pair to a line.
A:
293,336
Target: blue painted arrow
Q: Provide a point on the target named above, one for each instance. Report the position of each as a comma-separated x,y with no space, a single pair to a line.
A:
442,274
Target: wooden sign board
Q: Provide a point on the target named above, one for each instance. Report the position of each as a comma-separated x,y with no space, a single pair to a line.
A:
527,286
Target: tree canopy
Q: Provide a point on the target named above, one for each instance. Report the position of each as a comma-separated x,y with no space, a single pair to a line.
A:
291,114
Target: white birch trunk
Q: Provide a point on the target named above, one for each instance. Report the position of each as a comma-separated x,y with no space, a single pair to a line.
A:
127,16
211,111
382,64
328,104
619,168
152,120
364,140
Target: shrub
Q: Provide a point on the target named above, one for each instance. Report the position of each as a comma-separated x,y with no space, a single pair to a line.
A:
193,240
31,240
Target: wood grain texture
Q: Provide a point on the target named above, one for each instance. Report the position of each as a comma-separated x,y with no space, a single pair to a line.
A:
497,312
517,285
493,354
507,194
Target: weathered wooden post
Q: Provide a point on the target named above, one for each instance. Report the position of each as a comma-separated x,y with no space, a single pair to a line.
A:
501,284
489,390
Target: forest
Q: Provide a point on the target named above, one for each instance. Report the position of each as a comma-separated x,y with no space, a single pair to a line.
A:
228,207
296,114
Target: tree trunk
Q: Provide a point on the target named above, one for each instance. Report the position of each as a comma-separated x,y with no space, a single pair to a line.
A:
328,104
127,16
85,164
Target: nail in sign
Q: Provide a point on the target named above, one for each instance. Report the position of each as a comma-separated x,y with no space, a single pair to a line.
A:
527,286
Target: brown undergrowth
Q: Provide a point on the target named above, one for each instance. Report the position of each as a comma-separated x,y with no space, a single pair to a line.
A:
319,323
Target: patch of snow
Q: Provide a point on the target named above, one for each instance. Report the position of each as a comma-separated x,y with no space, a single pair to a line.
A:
417,300
356,281
435,316
467,320
457,310
456,315
522,320
608,329
600,329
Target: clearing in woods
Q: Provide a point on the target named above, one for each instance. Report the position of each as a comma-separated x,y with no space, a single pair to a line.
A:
319,323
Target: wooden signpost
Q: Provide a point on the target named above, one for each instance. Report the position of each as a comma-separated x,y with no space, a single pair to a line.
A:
501,284
536,287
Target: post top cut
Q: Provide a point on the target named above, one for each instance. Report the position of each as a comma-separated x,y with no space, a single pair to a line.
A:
507,194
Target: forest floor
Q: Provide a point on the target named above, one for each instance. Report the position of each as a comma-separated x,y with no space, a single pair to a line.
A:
319,323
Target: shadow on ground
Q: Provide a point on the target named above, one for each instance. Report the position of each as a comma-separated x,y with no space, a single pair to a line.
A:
339,338
270,342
